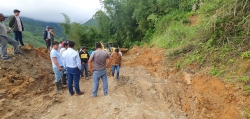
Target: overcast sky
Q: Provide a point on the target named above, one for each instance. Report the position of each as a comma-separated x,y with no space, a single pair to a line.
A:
49,10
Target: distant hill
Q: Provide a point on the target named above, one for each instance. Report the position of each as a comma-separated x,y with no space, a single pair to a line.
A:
91,22
33,33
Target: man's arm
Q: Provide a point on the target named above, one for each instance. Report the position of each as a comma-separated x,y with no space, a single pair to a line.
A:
120,61
78,61
11,21
109,60
56,63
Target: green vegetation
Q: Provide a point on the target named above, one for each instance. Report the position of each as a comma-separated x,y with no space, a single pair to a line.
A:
33,33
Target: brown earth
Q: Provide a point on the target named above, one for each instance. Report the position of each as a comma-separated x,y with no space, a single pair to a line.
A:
149,87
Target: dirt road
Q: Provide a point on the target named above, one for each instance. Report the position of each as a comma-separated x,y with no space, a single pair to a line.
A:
150,87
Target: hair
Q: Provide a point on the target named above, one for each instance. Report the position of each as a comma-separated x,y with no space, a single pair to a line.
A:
65,44
116,50
98,45
71,44
55,43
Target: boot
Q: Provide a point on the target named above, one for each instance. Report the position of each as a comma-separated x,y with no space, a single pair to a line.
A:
61,85
58,87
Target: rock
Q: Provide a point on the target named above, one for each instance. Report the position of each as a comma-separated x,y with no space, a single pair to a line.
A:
31,80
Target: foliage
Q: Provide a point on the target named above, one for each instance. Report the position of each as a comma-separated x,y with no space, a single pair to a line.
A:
245,54
82,34
216,72
33,33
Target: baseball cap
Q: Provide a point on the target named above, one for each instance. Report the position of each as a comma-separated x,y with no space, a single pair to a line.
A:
84,47
16,10
47,27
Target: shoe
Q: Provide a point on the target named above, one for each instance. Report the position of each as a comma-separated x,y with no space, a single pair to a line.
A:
59,91
72,93
80,93
64,86
18,53
6,59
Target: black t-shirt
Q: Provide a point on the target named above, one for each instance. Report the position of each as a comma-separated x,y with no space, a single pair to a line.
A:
84,56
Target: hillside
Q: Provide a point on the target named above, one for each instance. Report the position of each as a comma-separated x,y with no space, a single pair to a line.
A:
33,33
91,22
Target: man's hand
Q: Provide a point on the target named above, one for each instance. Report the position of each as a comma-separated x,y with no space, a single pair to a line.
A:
9,31
46,39
91,70
59,68
83,63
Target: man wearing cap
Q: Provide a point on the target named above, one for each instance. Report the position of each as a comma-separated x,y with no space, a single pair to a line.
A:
4,39
84,55
16,25
47,37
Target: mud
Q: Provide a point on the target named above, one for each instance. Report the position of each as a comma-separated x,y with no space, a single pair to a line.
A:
150,87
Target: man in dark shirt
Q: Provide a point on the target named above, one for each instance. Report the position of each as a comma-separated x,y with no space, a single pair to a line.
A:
84,55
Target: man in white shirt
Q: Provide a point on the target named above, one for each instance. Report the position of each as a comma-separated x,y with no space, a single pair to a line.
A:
57,65
16,25
72,63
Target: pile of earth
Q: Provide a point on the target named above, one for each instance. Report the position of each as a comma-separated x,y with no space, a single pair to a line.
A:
26,84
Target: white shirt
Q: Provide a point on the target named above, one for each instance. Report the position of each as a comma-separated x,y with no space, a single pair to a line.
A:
71,59
62,50
120,53
19,23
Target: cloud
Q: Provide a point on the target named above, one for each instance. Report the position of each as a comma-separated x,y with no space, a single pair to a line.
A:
50,10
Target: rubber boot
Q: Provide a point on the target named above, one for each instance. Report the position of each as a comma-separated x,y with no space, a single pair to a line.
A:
58,87
61,85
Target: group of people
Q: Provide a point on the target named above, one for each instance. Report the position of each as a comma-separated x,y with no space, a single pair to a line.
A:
16,26
66,61
48,37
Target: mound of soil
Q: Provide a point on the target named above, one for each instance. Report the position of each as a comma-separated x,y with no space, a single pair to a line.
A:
26,84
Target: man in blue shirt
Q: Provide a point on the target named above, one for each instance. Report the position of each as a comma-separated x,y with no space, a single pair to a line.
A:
57,65
72,63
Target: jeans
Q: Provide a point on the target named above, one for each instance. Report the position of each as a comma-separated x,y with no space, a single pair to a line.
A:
3,46
73,74
19,37
117,68
48,43
58,74
85,67
97,74
64,77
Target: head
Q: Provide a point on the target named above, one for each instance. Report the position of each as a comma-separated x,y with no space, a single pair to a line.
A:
84,48
55,45
66,45
16,12
71,44
116,50
47,28
2,17
98,45
51,29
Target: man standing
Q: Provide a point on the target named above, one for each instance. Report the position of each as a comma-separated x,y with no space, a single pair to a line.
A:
57,65
84,55
72,63
4,39
64,48
99,58
16,25
116,61
47,37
